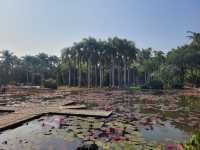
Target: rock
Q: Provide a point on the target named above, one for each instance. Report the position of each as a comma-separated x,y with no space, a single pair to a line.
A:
88,147
5,142
49,133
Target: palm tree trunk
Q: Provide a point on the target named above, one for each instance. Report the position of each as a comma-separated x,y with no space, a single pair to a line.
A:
42,78
100,75
103,73
32,78
27,77
124,74
110,77
88,73
57,78
69,77
133,77
62,77
128,77
113,72
72,76
96,75
79,74
119,82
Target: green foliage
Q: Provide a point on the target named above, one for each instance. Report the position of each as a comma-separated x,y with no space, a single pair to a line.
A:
114,62
135,87
25,69
96,62
50,83
177,84
194,142
186,59
191,102
154,84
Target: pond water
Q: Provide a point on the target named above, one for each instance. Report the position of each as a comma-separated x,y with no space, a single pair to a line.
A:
4,113
140,119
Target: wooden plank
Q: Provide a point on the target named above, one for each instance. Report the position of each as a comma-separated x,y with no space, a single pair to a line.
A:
68,107
7,109
62,103
83,112
17,121
3,104
20,116
68,103
75,107
24,114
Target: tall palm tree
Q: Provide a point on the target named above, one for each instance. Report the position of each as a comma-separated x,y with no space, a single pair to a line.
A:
79,48
195,37
112,44
101,58
66,58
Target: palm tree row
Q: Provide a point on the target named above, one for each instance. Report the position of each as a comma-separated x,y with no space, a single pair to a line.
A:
97,63
113,62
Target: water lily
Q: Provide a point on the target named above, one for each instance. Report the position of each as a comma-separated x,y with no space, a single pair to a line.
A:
179,147
117,138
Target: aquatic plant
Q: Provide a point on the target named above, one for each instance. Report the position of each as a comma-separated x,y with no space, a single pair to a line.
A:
194,142
190,102
50,83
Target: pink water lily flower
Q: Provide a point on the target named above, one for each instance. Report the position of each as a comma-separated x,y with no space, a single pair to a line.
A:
179,147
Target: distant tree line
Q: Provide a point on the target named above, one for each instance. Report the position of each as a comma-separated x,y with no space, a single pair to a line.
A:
27,70
114,62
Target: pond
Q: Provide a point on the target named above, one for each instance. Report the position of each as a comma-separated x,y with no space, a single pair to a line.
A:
140,119
4,113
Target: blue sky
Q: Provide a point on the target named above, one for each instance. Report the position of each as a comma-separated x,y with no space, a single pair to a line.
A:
33,26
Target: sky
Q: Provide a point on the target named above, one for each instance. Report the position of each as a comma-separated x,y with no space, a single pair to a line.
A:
29,27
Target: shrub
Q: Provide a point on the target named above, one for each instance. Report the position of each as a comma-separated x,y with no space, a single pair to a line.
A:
145,86
154,84
50,83
135,87
177,84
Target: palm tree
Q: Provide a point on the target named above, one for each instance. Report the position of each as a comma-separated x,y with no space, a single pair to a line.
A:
104,61
131,56
195,37
66,58
101,56
7,64
112,52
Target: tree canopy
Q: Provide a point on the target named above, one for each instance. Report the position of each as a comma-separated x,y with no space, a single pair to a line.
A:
114,62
